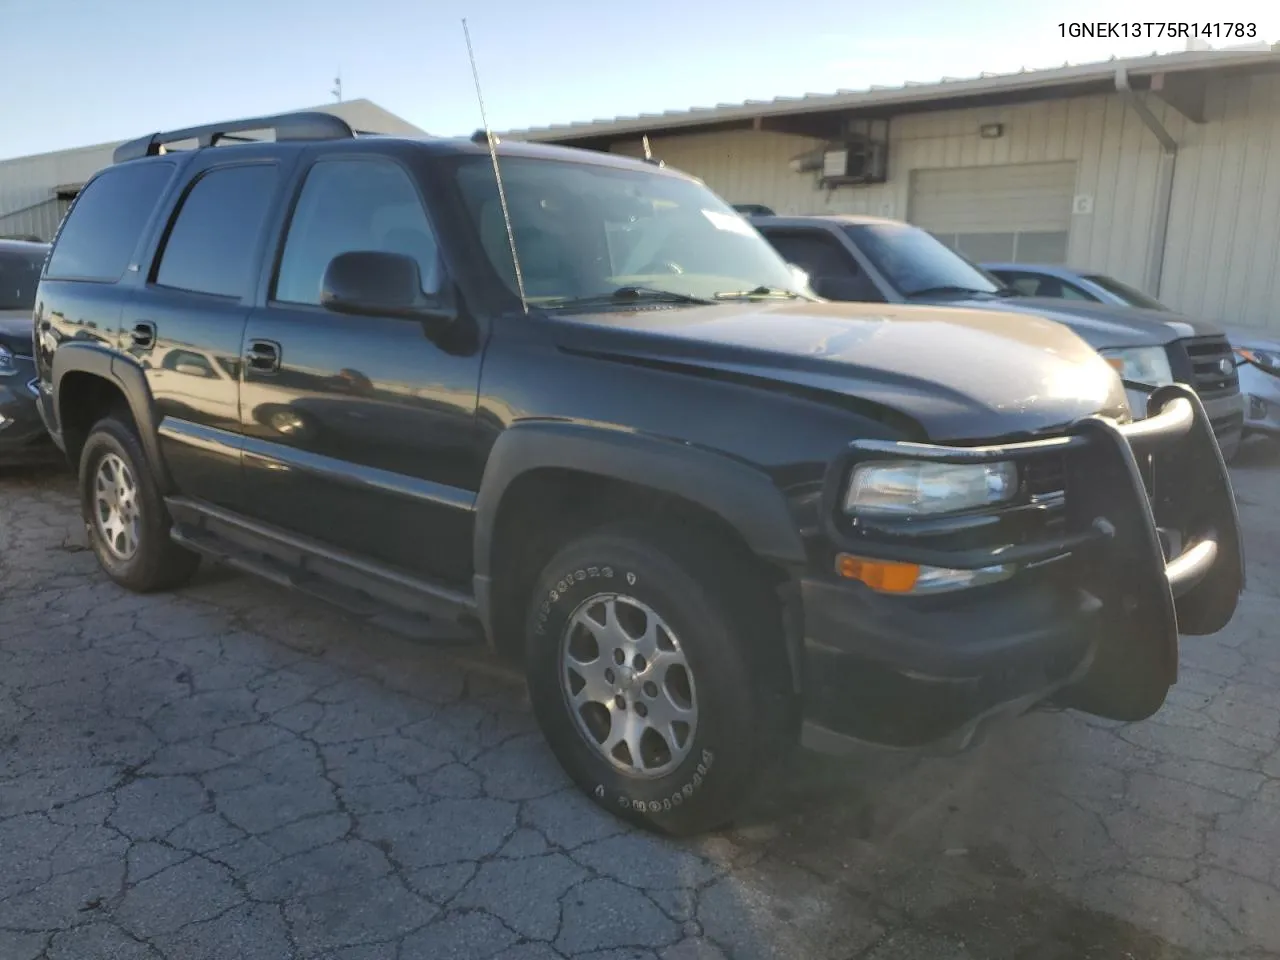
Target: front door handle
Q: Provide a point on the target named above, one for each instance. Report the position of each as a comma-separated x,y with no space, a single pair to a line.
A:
263,356
143,335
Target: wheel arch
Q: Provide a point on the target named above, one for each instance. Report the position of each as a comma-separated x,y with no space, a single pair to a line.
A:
567,473
89,379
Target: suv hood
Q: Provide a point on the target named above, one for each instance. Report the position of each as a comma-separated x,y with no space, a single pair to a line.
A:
15,331
959,373
1105,325
1258,339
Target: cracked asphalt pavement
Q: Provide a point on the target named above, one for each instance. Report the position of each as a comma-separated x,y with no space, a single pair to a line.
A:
232,772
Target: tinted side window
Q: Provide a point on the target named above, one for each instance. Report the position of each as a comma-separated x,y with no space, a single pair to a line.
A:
211,245
1039,285
105,222
817,255
348,205
19,274
1025,283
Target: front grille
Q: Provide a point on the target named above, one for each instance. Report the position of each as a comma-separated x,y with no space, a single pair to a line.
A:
1044,476
1203,361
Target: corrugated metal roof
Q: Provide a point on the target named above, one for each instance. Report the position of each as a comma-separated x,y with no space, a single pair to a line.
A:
360,113
911,92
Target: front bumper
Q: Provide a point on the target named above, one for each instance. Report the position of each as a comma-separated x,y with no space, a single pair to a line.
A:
1261,391
1227,417
22,432
1143,543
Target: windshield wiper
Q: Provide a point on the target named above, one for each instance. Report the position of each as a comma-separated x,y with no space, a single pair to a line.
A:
966,291
625,295
761,291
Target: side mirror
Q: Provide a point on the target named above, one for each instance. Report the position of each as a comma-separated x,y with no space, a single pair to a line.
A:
378,283
856,288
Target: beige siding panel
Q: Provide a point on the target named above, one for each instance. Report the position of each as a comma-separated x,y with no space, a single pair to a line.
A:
1222,256
751,167
1259,249
40,221
27,187
1223,253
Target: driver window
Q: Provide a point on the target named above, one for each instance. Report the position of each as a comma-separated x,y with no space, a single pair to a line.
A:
817,255
348,205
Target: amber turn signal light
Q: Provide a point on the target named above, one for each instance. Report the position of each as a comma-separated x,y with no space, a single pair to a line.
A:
882,575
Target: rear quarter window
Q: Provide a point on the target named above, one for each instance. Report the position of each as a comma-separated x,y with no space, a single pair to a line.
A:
104,224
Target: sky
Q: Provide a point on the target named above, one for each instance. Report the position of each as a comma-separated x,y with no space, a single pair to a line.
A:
78,72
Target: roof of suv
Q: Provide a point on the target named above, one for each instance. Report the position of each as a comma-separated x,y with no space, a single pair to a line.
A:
834,219
453,146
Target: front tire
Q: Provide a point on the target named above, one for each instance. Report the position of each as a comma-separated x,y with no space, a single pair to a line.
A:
124,514
641,671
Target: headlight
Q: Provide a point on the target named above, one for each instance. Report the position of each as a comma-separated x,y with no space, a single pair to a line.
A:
1149,365
906,488
7,366
1268,360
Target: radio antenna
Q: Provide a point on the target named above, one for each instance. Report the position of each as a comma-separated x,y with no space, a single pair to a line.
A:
497,174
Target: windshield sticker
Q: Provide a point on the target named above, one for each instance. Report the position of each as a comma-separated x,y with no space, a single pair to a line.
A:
728,221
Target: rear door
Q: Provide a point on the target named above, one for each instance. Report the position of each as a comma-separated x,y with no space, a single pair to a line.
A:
359,430
185,324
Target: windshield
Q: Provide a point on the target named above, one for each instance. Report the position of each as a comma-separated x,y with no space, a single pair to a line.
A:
584,230
1132,297
916,262
19,274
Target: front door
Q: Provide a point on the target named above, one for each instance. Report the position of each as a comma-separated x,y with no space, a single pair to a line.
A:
359,430
833,271
184,325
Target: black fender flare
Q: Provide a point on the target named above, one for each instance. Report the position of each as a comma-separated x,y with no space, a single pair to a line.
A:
743,496
99,360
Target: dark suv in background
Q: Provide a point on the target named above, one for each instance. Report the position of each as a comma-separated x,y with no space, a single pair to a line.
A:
887,261
22,434
711,514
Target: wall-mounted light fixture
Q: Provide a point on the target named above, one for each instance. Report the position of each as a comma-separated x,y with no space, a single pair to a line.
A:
991,131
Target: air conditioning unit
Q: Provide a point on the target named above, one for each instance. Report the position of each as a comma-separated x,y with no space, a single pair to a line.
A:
861,156
854,162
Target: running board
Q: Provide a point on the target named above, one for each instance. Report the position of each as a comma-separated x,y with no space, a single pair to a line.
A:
417,609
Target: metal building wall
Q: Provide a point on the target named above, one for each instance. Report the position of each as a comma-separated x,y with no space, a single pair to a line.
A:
1115,156
28,204
1222,256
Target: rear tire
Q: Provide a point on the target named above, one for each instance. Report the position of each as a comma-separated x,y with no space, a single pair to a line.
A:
124,514
657,632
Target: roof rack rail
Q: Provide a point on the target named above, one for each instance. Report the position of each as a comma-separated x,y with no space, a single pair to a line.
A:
312,125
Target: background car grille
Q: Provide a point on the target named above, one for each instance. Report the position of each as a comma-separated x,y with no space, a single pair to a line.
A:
1202,360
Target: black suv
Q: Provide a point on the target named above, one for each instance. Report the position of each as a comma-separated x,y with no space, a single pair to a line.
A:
22,435
712,514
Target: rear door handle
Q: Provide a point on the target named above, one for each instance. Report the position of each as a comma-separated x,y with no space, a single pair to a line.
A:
143,334
263,356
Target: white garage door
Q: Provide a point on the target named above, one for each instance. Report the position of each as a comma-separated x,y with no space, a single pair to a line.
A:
1020,212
